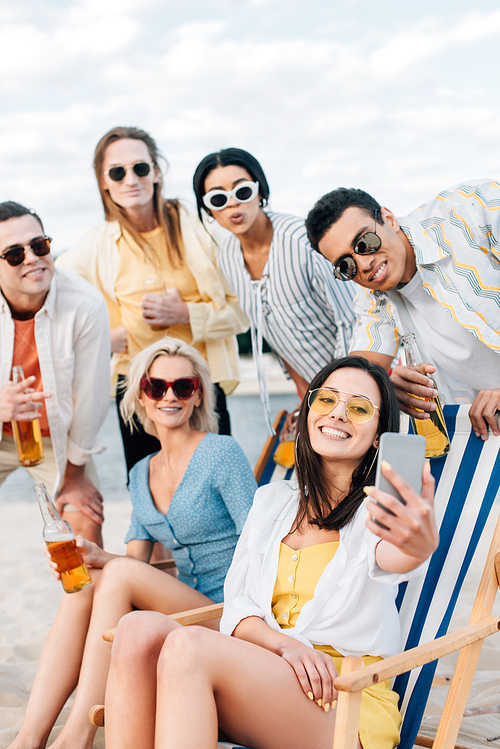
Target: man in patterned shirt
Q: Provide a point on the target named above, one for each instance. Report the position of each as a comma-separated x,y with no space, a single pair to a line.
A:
434,273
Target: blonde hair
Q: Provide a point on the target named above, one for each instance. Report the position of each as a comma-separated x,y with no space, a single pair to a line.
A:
167,211
203,418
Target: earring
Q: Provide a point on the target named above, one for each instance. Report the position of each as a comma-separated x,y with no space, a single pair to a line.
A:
210,218
367,473
263,202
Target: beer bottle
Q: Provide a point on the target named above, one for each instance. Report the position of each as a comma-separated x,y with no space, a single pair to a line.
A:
433,429
27,434
61,543
285,452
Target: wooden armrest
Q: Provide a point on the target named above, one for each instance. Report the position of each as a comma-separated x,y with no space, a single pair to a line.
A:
193,616
426,653
163,564
96,715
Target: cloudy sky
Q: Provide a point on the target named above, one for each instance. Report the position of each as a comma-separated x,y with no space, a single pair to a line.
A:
398,98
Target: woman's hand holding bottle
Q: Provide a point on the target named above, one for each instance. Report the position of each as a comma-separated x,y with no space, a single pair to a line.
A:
93,555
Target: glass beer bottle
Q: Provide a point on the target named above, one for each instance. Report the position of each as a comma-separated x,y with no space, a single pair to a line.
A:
433,429
61,543
27,434
285,452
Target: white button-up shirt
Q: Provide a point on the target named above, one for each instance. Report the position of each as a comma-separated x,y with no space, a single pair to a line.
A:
353,608
73,344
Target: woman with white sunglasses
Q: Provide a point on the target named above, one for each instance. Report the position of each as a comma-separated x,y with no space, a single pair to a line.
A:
285,288
145,240
193,496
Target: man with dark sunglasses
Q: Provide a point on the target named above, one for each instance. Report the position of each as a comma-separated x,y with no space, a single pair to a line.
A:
55,325
435,273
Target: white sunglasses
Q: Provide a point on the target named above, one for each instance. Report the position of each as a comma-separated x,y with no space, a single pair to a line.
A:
216,200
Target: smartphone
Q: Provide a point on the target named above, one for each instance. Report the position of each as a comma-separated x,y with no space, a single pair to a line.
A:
406,454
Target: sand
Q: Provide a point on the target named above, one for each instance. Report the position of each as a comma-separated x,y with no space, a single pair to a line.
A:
30,597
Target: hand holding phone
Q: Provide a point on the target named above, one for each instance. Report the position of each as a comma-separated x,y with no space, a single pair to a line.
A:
406,454
400,505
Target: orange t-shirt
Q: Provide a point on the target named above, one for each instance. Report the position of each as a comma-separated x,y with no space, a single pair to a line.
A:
26,355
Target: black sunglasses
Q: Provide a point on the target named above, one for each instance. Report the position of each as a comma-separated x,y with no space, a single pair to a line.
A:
156,388
117,173
346,268
15,255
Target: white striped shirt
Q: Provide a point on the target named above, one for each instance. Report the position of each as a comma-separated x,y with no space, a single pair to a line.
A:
298,306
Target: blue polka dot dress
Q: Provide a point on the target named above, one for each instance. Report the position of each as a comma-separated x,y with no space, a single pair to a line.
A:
206,514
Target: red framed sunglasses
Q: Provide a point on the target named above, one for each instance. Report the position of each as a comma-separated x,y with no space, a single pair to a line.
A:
156,388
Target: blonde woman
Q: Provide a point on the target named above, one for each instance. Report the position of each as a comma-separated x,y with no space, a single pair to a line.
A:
193,496
146,237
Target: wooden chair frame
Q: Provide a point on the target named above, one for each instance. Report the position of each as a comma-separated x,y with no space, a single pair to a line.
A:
469,640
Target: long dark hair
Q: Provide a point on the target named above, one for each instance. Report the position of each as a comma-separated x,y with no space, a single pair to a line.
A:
228,157
315,502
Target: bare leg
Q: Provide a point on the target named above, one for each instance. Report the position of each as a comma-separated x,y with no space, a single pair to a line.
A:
125,583
139,639
58,670
206,679
82,525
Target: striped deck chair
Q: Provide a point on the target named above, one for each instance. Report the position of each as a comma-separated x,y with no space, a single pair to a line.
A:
467,483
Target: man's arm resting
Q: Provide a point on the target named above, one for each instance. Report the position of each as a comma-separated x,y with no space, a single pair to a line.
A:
384,360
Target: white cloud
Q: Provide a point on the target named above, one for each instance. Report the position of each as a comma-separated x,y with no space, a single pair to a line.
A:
380,108
430,38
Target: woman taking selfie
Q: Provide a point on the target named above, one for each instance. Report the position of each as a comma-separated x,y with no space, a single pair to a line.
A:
313,579
155,265
193,496
286,290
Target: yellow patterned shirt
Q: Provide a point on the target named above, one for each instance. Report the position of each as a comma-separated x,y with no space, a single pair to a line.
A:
456,240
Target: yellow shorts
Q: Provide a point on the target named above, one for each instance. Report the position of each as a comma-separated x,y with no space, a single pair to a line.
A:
379,719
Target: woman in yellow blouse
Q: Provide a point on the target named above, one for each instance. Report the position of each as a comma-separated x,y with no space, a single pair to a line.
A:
155,265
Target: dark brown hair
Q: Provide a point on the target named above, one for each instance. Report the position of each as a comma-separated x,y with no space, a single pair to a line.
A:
11,209
330,208
167,211
315,502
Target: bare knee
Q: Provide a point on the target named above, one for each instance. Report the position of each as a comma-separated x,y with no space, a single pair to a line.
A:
184,652
139,637
115,575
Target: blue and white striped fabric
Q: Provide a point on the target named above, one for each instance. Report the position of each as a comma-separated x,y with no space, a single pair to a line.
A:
298,306
467,484
272,471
